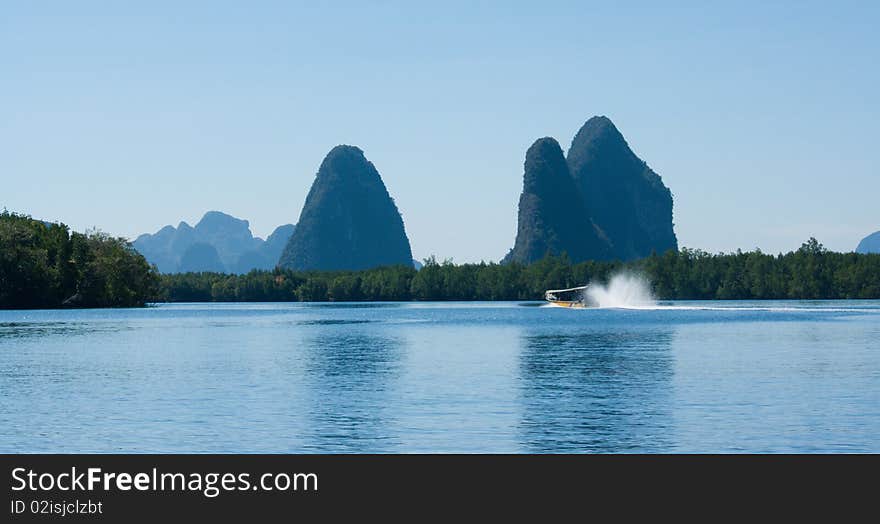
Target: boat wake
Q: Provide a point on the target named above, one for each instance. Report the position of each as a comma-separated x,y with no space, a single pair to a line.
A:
768,308
630,290
623,291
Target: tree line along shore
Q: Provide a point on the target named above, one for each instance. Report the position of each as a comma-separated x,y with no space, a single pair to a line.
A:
46,265
809,273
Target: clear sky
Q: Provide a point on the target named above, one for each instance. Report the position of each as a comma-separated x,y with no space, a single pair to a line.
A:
763,118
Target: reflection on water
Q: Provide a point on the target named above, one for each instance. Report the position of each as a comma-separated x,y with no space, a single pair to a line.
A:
343,360
352,305
331,322
442,377
13,330
596,391
349,377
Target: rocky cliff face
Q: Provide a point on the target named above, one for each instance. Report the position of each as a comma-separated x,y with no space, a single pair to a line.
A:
625,198
552,217
870,244
349,221
601,202
222,243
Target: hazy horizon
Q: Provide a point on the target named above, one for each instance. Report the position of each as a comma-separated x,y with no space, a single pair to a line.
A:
760,118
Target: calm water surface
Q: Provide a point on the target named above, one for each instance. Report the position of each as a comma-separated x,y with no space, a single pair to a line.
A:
443,377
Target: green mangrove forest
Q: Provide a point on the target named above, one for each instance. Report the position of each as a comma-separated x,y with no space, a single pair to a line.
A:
45,265
810,272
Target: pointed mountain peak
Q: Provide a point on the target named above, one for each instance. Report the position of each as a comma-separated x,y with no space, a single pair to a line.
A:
345,150
598,129
621,194
348,164
551,214
599,122
544,146
545,167
349,221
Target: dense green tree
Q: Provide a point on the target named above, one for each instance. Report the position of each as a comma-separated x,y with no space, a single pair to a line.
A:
44,265
811,272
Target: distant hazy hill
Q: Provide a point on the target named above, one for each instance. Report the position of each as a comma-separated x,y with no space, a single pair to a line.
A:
870,244
349,221
600,203
219,242
201,257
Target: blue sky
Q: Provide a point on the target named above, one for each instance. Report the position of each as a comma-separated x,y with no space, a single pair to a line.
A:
761,117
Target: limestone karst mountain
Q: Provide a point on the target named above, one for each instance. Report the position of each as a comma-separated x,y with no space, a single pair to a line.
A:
201,256
601,202
870,244
552,218
236,249
349,221
267,254
624,197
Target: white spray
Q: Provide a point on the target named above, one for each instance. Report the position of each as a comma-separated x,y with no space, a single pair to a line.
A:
624,290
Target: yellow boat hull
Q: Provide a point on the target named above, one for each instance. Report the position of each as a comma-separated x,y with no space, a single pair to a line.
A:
562,303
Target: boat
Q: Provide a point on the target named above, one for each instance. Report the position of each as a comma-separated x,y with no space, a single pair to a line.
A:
571,297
